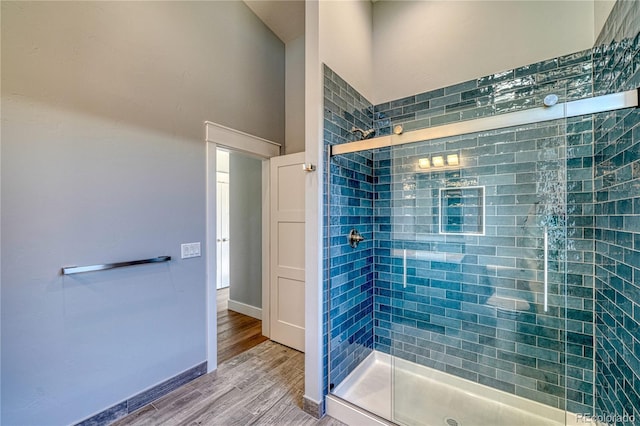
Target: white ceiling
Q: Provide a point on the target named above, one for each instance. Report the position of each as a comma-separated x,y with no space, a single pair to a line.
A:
284,17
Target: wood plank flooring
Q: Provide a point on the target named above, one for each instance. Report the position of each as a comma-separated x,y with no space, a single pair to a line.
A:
262,386
236,332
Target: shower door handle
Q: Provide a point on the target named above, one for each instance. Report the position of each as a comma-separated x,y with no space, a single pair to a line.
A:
404,268
546,269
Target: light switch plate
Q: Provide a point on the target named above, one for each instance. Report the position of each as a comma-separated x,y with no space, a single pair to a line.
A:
190,250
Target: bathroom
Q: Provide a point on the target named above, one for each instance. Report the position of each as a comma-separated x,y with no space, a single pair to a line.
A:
493,274
457,233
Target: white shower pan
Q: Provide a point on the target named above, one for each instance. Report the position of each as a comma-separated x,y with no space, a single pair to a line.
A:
412,394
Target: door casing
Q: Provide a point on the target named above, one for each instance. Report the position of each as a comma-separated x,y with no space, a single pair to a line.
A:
218,136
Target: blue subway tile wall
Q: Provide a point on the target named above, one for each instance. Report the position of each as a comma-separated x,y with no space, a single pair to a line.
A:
496,154
617,227
442,318
349,199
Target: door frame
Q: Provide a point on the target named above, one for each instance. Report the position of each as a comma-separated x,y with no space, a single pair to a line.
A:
218,136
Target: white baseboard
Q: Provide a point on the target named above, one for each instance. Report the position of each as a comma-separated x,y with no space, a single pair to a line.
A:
245,309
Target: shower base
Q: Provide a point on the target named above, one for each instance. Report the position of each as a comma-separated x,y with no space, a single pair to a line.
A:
424,396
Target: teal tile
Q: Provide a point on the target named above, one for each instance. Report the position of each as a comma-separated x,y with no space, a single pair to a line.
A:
444,119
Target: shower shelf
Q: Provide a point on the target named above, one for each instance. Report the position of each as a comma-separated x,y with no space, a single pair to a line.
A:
433,256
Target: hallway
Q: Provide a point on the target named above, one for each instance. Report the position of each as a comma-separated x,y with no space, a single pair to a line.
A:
236,332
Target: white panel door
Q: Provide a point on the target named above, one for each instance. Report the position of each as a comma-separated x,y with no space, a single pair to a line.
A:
287,250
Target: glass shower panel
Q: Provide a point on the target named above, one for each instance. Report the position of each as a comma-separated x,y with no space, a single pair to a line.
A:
350,279
473,302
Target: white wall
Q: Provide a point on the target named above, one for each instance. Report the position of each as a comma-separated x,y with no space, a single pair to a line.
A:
245,229
601,11
103,159
294,96
313,356
346,41
423,45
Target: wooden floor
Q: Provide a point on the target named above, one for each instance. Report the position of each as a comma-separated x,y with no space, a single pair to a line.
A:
262,386
236,332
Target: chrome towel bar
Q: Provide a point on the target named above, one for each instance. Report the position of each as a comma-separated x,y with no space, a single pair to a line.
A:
78,269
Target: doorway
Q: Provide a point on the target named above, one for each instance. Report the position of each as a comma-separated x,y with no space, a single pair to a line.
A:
260,150
222,216
239,252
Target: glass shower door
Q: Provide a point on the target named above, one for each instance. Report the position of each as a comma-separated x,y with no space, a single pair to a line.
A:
477,255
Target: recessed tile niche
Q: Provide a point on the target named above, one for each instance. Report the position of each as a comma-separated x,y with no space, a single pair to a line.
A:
462,210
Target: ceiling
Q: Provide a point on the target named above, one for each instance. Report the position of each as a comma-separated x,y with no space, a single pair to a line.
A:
284,17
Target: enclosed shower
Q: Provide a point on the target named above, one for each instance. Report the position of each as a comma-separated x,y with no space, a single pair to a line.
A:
470,250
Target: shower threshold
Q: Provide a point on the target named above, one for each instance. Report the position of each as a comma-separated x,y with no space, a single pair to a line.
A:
425,396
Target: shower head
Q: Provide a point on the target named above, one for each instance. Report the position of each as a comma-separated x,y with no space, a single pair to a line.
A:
364,134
